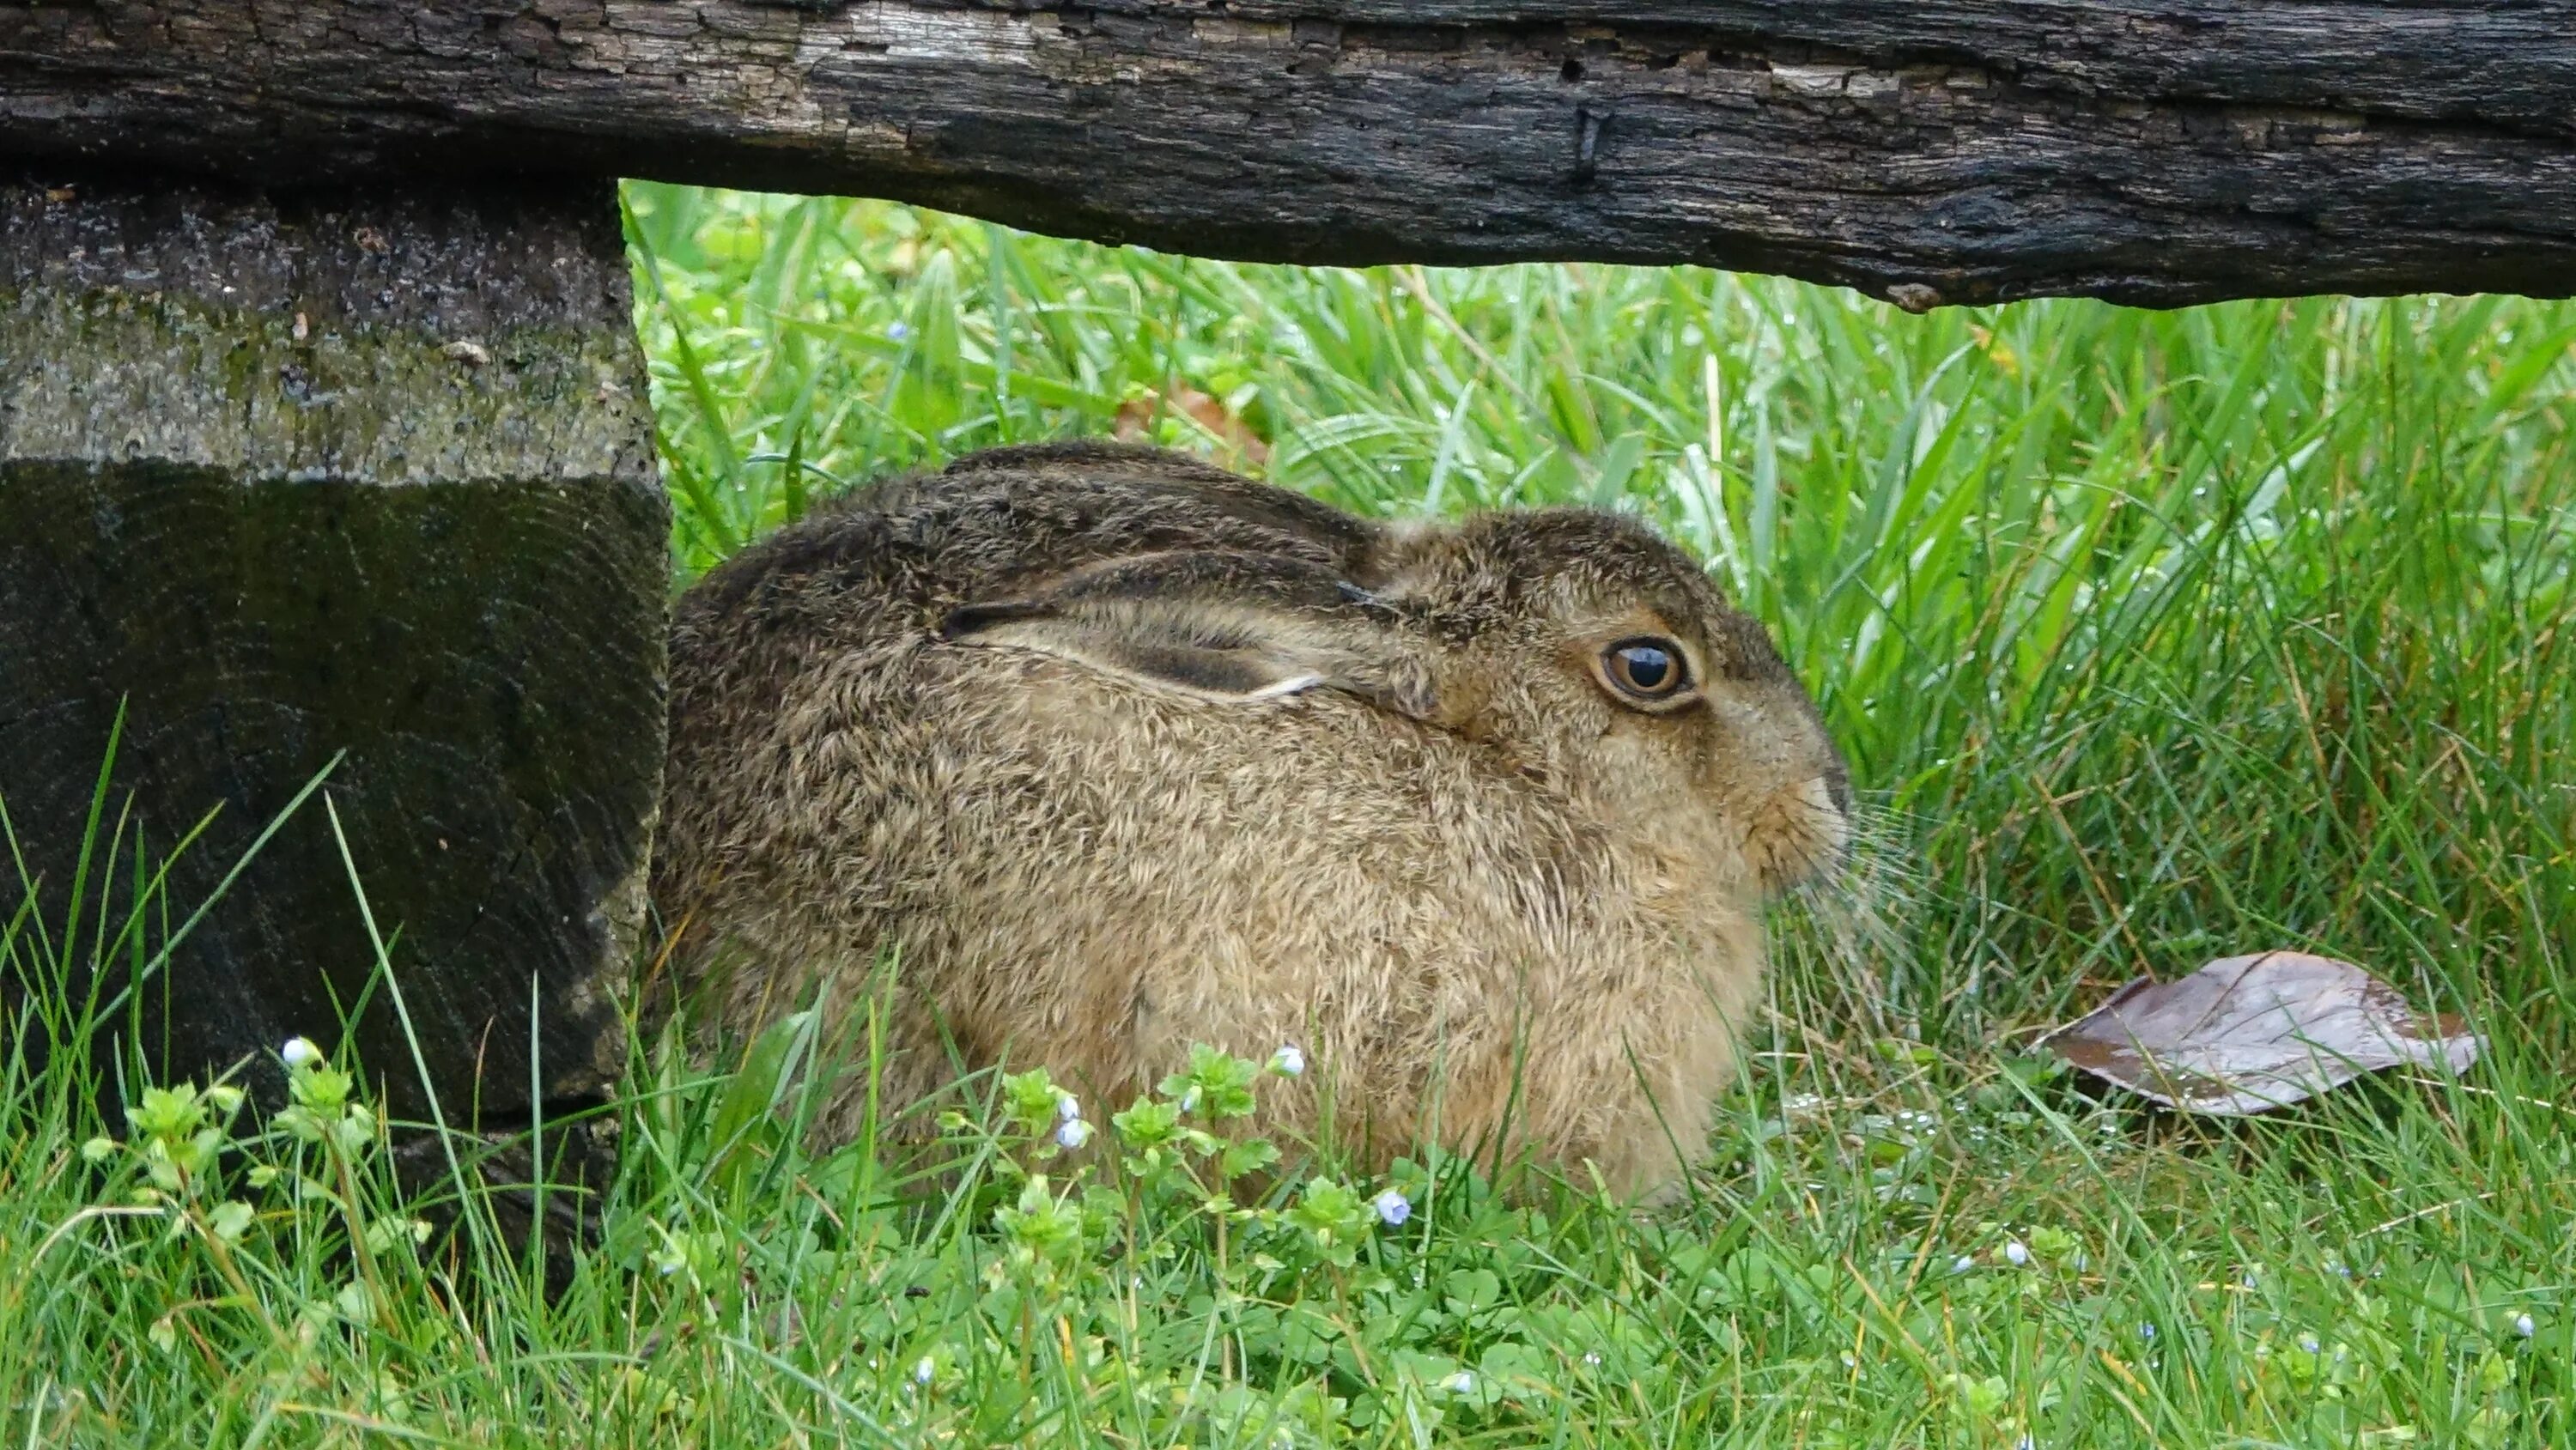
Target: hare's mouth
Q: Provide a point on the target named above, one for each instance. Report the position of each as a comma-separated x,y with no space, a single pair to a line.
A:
1798,834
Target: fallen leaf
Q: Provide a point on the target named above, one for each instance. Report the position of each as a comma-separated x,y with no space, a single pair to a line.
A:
1136,419
2248,1034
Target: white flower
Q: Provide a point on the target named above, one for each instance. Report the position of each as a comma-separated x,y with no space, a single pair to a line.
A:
1068,1108
1591,1357
1289,1061
1462,1383
300,1052
1393,1208
1073,1134
922,1372
2523,1326
2017,1252
1962,1265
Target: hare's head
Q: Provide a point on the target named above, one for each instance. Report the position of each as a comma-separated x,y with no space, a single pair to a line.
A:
1584,653
1604,656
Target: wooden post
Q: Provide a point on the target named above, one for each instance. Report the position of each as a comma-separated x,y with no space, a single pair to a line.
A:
1923,151
364,471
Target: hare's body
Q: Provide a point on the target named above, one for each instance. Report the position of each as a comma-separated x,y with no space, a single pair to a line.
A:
1098,825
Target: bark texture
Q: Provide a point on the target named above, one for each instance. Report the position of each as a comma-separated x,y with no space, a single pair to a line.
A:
362,471
2150,151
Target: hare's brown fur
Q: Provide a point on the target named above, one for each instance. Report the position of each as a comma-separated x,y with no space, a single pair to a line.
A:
1490,902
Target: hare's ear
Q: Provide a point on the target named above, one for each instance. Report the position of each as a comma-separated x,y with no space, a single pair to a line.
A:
1217,626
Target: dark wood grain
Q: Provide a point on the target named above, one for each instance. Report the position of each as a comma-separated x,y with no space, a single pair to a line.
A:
358,471
2154,151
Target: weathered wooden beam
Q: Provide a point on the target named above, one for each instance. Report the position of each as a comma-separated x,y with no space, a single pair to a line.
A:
365,472
2151,151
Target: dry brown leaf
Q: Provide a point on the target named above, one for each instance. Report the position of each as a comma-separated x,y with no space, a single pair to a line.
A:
2248,1034
1136,420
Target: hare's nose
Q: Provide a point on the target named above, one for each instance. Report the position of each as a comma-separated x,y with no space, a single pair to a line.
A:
1837,783
1828,797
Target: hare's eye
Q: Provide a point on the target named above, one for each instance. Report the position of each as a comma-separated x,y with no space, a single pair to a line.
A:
1647,668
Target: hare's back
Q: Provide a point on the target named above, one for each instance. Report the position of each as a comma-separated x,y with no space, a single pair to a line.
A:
900,554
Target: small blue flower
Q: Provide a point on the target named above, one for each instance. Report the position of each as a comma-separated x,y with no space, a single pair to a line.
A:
1073,1134
1068,1108
2523,1326
1288,1061
1393,1208
1190,1099
300,1052
1462,1383
1962,1265
2147,1332
2308,1342
897,331
2016,1251
922,1372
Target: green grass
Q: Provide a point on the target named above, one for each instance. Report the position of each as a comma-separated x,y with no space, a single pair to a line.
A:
2152,638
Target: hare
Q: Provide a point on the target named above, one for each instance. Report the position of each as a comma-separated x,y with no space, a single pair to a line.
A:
1119,752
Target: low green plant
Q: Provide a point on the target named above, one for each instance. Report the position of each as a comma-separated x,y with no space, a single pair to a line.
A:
1965,1254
